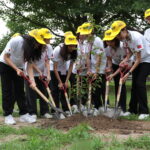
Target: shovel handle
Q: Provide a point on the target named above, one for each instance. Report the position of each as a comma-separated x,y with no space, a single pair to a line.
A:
67,99
106,94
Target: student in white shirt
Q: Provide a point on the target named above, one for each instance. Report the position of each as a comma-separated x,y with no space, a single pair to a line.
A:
139,48
59,74
96,63
147,32
20,49
41,69
115,53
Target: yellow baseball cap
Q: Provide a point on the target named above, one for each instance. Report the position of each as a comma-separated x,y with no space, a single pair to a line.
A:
45,33
147,13
71,40
117,26
79,29
37,36
108,36
87,28
68,33
16,34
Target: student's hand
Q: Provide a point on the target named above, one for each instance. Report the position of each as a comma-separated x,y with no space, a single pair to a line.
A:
108,70
89,73
66,84
32,84
19,72
125,77
60,85
48,78
110,77
94,77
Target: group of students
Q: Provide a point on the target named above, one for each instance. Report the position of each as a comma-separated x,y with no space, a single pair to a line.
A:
82,58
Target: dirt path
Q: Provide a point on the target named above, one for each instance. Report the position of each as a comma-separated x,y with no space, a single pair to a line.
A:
101,125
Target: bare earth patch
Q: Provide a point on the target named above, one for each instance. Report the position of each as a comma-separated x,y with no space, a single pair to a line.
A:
102,125
12,137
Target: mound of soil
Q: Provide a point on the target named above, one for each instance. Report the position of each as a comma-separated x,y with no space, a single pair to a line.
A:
100,123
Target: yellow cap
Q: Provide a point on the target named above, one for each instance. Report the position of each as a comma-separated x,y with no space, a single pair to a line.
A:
16,34
71,40
117,26
68,33
45,33
37,36
147,13
87,28
108,36
79,29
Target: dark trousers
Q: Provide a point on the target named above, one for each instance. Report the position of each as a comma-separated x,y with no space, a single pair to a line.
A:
122,101
32,96
12,90
58,94
98,91
73,95
138,101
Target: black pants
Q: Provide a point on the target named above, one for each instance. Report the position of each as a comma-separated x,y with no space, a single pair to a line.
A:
58,94
12,90
138,101
98,91
122,101
73,83
32,96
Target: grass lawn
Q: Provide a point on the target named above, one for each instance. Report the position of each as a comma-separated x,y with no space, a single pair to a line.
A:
78,138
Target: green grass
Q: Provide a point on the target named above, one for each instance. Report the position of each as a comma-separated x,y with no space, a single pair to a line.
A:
78,138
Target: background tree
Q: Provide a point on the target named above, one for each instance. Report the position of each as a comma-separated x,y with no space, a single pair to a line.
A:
24,15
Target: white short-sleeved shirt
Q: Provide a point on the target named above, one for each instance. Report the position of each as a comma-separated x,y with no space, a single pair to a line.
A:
14,48
116,55
80,63
98,49
62,64
138,43
46,55
147,36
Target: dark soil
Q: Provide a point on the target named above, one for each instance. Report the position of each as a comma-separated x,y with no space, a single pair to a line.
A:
100,124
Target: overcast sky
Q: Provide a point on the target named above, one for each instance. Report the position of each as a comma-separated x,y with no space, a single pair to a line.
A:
3,29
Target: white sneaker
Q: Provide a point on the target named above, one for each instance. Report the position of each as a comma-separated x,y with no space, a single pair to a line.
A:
95,112
68,113
143,116
75,109
27,118
62,116
47,116
34,116
83,108
9,120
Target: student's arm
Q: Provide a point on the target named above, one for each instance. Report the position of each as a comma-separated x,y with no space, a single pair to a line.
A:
60,84
137,62
11,64
47,67
126,59
69,74
31,75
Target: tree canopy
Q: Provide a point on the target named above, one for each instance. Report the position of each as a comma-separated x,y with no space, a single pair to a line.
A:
24,15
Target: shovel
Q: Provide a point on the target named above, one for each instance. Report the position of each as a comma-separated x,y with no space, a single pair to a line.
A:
106,95
122,73
88,112
67,99
43,80
44,98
